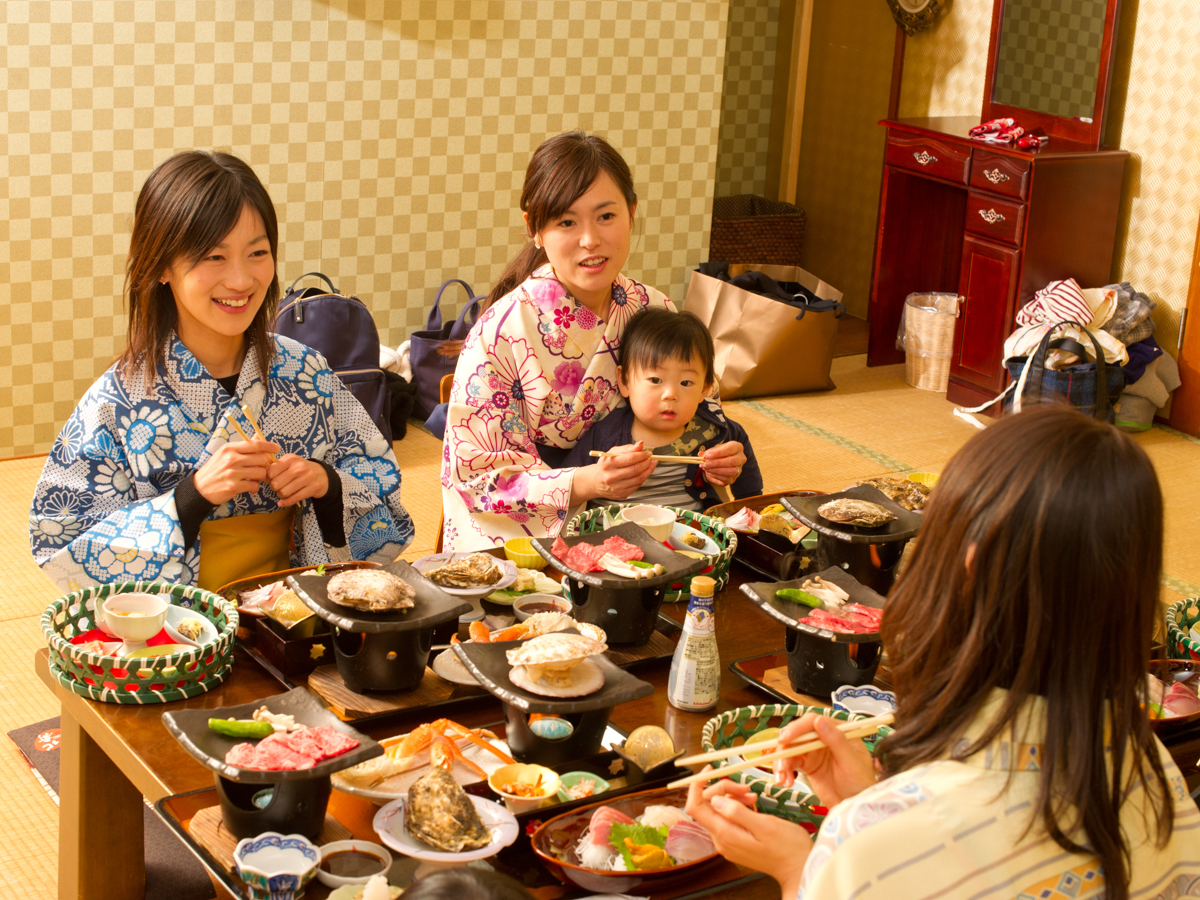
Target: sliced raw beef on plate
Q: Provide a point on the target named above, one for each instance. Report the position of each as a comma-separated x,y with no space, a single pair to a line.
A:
332,741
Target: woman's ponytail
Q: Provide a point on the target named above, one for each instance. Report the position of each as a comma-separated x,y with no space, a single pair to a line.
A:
520,267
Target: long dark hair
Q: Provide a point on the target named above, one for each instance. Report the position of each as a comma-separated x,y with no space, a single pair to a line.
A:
185,208
560,171
1037,571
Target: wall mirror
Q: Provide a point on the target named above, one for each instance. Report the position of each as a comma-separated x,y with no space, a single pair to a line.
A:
1049,65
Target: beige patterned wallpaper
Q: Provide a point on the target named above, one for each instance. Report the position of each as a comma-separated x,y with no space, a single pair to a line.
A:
746,102
392,136
943,75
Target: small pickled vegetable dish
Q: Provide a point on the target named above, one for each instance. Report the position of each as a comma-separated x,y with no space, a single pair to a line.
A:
661,837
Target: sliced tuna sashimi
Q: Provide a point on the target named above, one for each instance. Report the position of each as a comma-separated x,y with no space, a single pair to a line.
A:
1181,700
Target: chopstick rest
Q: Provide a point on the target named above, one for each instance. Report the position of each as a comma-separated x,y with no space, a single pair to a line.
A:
809,744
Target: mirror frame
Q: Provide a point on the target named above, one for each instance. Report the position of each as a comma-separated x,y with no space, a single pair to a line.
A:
1060,127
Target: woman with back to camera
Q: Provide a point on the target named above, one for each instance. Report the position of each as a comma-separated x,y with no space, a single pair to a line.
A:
538,368
158,474
1022,764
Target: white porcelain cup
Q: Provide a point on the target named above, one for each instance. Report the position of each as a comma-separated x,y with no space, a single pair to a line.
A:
135,618
656,520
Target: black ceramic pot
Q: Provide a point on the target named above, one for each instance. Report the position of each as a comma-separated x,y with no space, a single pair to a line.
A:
382,661
819,666
294,807
527,747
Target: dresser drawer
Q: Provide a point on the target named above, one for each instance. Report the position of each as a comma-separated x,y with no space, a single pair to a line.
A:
998,219
930,157
1000,174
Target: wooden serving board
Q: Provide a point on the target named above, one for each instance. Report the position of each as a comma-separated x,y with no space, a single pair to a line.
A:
350,706
207,829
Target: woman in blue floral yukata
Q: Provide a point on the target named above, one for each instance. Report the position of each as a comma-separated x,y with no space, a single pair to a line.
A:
538,369
158,475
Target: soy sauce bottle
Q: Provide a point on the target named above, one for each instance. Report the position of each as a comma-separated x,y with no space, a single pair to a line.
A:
695,681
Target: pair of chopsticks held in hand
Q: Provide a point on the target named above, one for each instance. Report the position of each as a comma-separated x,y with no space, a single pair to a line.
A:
805,744
724,492
254,423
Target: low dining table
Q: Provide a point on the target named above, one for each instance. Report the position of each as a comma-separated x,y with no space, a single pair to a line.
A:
114,755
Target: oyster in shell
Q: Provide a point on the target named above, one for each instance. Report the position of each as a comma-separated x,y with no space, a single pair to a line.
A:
855,512
440,813
372,590
909,494
556,665
476,570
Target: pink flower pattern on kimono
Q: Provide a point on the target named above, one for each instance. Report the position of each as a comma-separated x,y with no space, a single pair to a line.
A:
567,376
544,290
553,510
481,445
554,337
519,379
472,338
594,397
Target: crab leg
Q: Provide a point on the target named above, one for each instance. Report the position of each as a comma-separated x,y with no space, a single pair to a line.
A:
445,753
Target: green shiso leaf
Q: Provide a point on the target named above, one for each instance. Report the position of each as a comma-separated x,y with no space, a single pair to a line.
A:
638,834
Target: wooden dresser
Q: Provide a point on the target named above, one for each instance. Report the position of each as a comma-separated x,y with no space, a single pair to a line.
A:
990,223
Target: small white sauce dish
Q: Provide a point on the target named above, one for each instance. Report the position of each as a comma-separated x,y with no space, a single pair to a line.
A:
366,848
276,866
656,520
521,604
865,699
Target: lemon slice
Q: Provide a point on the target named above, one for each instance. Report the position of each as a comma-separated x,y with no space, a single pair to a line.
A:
767,734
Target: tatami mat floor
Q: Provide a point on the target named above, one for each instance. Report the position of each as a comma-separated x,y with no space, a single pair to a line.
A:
871,424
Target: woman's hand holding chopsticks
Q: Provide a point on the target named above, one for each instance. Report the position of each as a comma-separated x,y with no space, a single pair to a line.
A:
294,478
236,468
841,769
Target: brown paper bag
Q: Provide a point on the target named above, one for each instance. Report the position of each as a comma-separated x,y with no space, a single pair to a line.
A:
762,348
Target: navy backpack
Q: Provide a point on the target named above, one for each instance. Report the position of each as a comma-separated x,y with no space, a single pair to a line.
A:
342,330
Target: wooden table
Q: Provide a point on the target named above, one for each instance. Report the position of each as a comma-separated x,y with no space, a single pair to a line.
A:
113,755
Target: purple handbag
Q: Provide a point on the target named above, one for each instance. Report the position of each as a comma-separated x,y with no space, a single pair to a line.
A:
429,363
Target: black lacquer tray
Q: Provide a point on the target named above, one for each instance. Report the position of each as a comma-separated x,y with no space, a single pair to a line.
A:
488,663
190,728
676,565
432,605
793,615
904,526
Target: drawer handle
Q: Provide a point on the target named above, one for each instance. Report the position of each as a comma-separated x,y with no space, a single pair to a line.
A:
995,176
990,216
924,158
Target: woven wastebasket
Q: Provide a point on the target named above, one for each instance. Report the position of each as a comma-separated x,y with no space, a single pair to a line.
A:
927,339
747,228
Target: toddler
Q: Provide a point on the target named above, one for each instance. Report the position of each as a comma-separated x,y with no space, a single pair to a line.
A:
665,372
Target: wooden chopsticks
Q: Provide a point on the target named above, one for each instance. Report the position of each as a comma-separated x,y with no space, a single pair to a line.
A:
689,460
254,423
806,744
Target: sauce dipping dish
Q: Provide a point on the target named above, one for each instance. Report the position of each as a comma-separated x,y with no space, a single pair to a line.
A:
276,866
531,604
366,851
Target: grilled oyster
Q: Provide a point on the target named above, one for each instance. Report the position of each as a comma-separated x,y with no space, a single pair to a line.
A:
372,590
476,570
440,813
556,665
855,512
908,494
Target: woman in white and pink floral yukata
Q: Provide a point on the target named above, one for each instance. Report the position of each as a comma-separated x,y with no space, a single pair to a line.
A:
538,369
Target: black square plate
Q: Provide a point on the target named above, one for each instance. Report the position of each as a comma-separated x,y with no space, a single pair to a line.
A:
793,614
190,728
432,605
677,565
905,525
490,666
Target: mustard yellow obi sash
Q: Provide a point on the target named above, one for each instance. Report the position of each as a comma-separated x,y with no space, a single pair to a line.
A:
241,546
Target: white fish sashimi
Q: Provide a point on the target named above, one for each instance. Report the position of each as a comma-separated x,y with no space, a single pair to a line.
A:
658,816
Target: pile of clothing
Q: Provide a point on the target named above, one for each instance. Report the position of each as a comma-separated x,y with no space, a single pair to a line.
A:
1119,317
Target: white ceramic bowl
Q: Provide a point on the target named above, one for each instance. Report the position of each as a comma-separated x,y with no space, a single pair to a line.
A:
657,520
151,613
276,866
331,880
561,604
865,699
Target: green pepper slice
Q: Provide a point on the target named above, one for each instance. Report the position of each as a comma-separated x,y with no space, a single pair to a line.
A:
795,595
241,728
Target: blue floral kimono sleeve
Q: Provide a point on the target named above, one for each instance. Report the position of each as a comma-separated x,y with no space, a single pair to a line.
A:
94,517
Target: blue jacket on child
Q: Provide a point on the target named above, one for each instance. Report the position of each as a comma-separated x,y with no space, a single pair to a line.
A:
616,429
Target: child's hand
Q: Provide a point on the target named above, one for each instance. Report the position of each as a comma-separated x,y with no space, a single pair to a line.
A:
613,477
723,463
